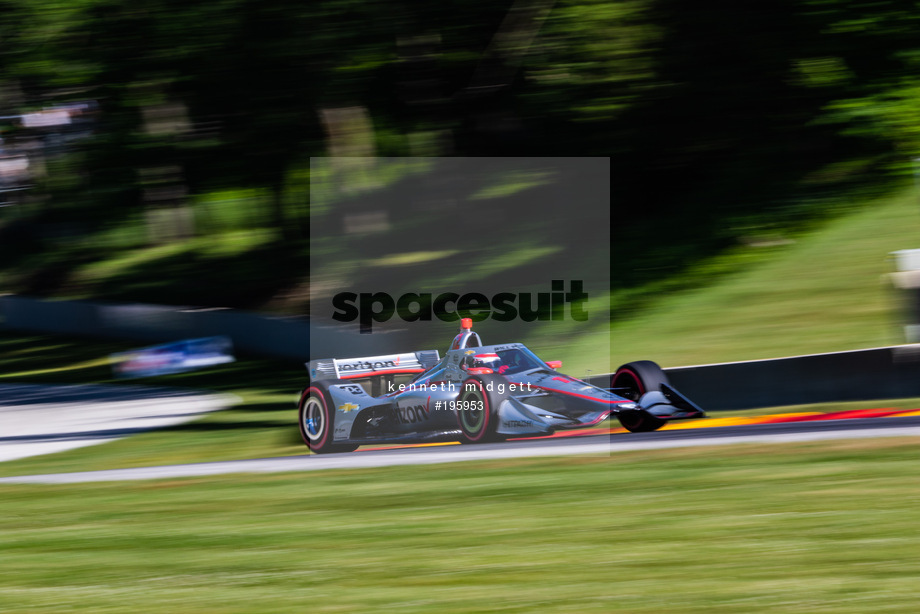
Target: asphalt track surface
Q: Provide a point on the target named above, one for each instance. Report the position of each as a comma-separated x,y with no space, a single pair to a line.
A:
36,419
774,429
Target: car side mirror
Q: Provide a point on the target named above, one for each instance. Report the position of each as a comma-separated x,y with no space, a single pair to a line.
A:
554,364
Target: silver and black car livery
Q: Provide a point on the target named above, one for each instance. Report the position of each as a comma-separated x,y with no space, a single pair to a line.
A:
475,393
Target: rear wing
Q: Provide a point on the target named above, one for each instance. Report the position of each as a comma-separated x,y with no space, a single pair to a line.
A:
370,366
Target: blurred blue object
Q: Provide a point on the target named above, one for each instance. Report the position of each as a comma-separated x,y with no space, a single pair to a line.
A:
177,357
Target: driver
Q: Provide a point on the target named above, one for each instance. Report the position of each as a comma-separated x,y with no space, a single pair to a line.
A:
484,361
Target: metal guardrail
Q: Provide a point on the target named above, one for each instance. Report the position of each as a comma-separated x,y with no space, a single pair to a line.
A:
278,337
858,375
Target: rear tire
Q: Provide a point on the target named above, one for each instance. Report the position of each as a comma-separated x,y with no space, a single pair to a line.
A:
316,419
477,408
632,381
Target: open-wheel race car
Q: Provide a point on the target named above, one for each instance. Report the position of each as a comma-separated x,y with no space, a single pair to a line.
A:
475,393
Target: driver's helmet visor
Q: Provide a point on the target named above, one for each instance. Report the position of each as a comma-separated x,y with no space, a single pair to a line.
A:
491,361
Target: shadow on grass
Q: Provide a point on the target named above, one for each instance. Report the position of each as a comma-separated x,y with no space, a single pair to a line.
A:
245,280
208,426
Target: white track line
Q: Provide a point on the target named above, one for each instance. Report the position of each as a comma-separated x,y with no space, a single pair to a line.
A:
600,446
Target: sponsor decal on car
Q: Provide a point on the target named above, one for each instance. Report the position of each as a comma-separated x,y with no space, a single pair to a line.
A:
367,365
412,414
354,389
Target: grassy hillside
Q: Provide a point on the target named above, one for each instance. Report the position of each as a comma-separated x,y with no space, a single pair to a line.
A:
821,291
816,291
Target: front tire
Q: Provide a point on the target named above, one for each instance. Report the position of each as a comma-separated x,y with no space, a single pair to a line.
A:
316,419
632,380
639,421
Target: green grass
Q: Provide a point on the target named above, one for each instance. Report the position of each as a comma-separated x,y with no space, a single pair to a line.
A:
826,291
823,527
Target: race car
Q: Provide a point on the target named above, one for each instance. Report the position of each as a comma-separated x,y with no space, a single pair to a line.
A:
475,393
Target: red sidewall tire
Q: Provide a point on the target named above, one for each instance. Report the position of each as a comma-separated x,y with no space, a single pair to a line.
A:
640,376
481,432
314,444
483,429
632,380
